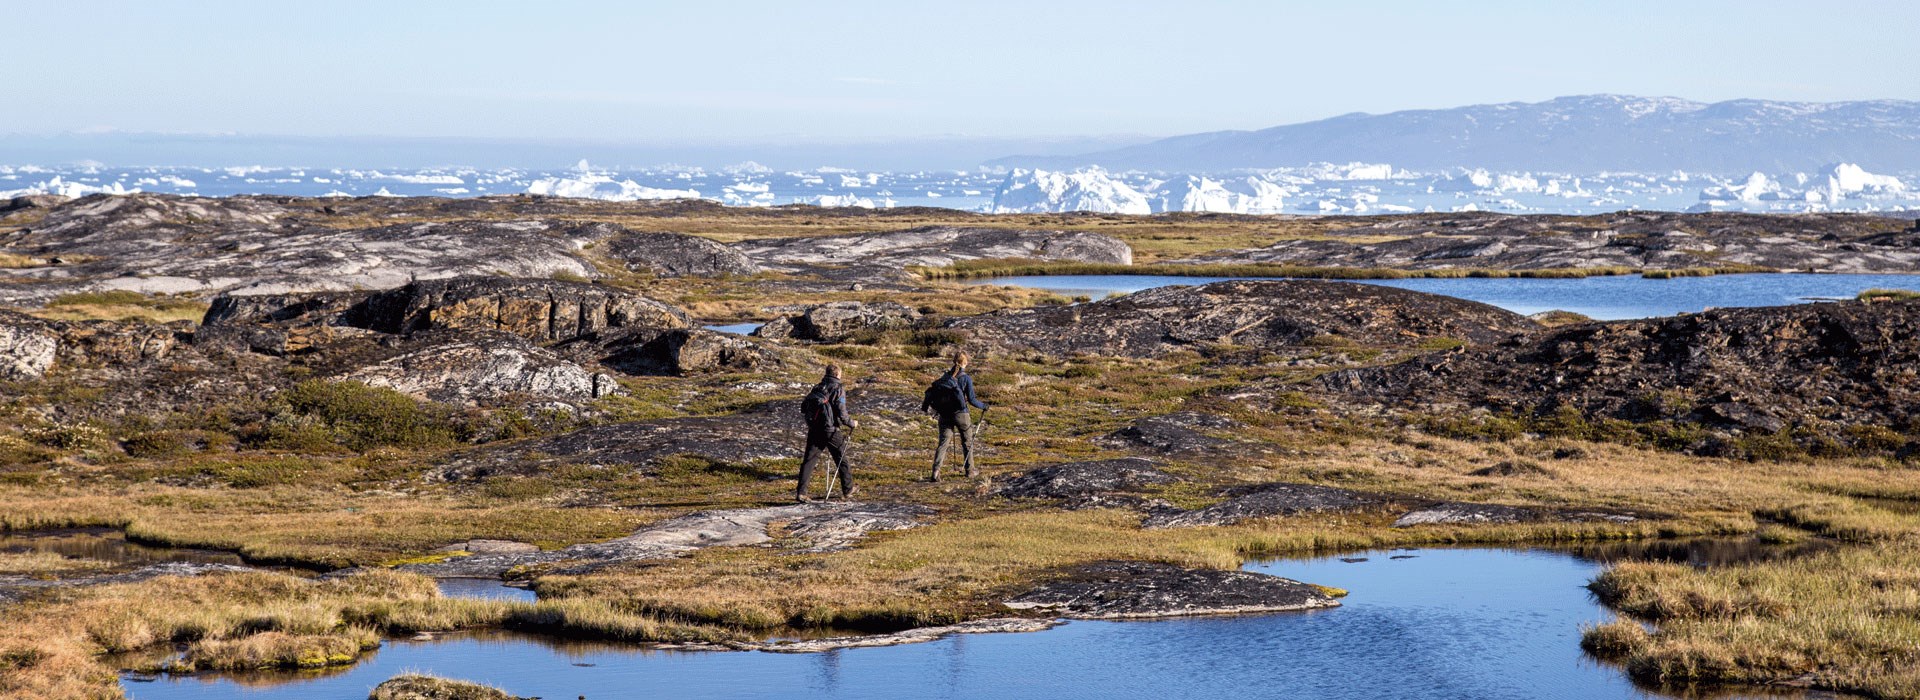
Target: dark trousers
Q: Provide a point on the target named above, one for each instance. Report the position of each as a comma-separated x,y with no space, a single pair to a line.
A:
957,423
832,442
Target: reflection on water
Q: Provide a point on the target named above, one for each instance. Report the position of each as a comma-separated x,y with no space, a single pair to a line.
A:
1605,298
1425,623
1698,551
107,545
736,328
484,589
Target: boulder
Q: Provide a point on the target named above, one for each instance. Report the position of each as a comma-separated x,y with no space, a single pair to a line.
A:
27,347
483,369
1268,501
538,310
1262,314
278,324
413,686
838,321
1084,479
677,255
1129,589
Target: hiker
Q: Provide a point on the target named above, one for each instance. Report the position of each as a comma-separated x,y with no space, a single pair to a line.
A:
825,408
949,398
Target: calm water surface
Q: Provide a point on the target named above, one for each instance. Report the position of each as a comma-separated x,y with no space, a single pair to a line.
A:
1427,623
1605,298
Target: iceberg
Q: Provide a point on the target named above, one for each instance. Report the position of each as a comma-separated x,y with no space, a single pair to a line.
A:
1043,191
600,186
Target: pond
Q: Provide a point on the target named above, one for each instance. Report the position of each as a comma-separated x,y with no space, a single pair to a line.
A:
1604,298
108,545
1420,623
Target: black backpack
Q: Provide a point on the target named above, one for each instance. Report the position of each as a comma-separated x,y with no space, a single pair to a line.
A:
815,408
944,394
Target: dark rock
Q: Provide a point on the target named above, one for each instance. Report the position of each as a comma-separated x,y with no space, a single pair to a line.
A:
838,321
1178,433
1124,589
1268,501
1265,315
1457,513
1080,479
737,440
31,201
668,352
1824,367
677,255
538,310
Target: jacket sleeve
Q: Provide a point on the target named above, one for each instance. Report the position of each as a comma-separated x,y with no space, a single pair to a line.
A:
840,416
966,383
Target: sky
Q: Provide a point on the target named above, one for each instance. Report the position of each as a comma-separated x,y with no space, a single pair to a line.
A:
739,72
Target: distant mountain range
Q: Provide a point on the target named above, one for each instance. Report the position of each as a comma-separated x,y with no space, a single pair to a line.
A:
1583,134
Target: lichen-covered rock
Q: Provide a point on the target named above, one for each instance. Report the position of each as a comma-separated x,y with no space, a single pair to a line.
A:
884,255
1083,479
738,439
1268,501
1458,513
478,369
27,347
677,255
837,321
538,310
1129,589
1264,314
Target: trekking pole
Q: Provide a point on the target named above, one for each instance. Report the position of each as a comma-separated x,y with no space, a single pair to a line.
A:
833,478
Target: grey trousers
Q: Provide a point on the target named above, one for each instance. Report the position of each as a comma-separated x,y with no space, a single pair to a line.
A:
957,423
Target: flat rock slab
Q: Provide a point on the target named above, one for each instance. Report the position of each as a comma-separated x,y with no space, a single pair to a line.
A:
1456,513
14,587
1123,589
824,526
1083,479
490,547
1266,501
1186,432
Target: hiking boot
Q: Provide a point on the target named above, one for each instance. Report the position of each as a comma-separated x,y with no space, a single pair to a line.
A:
849,492
801,498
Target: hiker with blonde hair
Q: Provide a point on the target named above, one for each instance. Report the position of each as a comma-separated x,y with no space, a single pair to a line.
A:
950,398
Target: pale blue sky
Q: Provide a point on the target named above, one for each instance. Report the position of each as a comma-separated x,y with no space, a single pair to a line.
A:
713,72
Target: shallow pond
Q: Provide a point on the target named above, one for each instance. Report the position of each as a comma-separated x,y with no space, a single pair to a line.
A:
1605,298
737,328
108,545
1424,623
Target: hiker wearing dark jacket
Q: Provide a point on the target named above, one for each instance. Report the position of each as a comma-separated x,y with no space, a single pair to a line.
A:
825,410
948,399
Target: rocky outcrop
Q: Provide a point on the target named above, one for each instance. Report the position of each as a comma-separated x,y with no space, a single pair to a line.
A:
887,255
1079,480
823,526
483,369
1257,314
1639,240
278,324
1126,589
538,310
1268,501
838,321
670,351
676,255
1182,433
27,347
1834,369
1458,513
